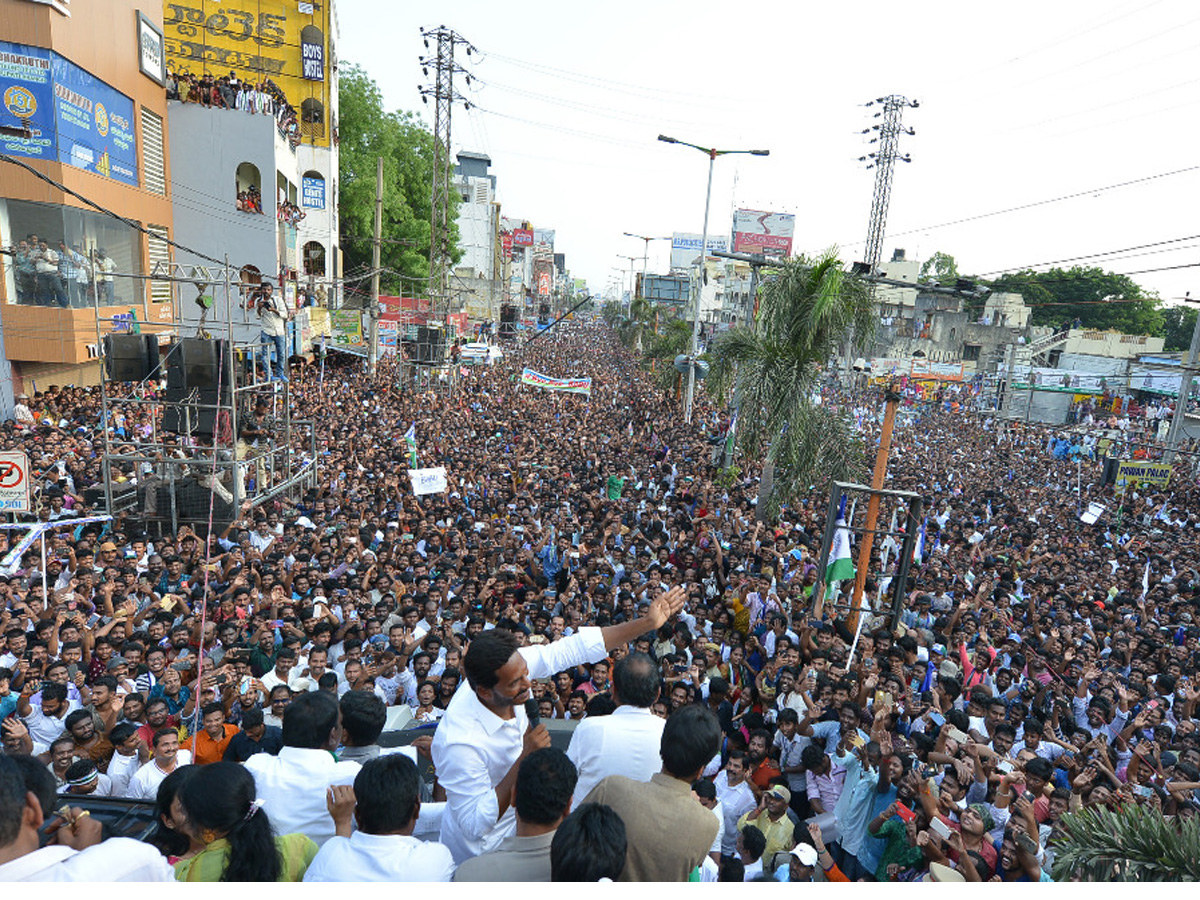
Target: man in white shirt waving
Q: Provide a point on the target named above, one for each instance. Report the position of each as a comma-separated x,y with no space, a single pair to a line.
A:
625,743
484,735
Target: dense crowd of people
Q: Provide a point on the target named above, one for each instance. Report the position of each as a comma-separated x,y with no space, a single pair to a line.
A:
731,721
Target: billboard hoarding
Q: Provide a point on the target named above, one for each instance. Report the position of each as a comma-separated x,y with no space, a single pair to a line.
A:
312,192
685,248
72,116
522,237
755,231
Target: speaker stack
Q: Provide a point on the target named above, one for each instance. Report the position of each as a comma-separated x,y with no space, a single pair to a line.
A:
508,321
429,348
131,357
199,380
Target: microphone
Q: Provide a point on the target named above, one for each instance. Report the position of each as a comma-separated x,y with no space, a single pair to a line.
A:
531,710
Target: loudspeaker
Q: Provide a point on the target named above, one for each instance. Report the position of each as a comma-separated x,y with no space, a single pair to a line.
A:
130,357
431,345
1110,470
195,367
200,363
508,321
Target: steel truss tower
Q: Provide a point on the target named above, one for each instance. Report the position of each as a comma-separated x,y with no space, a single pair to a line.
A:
441,60
883,161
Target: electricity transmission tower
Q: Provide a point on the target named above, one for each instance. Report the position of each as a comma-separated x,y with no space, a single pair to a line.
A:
883,161
441,60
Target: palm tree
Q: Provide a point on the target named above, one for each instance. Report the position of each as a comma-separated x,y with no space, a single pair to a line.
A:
672,338
774,366
1134,843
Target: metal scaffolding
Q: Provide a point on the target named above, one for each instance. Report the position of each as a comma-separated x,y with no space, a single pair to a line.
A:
188,475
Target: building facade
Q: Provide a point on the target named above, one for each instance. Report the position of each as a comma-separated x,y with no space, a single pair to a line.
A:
253,111
82,105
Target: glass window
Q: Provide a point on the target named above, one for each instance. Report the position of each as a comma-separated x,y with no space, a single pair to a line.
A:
58,270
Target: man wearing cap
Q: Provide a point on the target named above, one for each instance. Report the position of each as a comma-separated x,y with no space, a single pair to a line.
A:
772,819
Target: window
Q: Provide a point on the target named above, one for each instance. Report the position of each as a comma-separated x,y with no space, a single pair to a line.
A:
970,352
154,172
312,118
248,187
314,258
86,235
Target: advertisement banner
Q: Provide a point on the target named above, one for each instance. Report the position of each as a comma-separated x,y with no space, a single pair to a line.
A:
94,122
72,116
544,284
1157,474
27,92
347,327
506,243
388,333
544,236
755,231
312,192
570,385
685,248
522,237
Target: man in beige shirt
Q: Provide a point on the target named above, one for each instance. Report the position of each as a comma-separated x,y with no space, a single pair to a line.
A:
668,831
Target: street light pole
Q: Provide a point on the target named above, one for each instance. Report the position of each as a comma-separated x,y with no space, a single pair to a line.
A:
712,154
645,252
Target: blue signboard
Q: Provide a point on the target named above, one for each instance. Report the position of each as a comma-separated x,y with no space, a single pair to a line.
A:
312,192
72,115
27,93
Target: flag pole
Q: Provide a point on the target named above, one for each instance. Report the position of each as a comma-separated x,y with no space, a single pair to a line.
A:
892,400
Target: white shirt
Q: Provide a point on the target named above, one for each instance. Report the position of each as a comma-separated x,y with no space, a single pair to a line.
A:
121,769
474,749
380,857
293,786
43,728
624,743
735,801
117,859
144,784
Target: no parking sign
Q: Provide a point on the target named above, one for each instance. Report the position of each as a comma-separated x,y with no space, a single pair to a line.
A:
14,482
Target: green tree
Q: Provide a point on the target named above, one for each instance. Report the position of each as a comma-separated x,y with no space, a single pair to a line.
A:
672,338
941,268
1180,322
1097,299
1133,844
774,365
366,132
611,313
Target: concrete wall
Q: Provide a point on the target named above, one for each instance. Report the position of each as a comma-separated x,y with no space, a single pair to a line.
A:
208,146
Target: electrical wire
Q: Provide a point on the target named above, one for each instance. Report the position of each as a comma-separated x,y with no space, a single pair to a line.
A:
1035,204
1055,262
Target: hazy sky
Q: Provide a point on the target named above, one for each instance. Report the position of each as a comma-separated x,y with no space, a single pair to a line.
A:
1020,103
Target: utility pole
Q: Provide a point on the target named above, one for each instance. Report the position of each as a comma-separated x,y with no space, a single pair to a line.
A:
444,97
867,543
1185,387
883,161
373,312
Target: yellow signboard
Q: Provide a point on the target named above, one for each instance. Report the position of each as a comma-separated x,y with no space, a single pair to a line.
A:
256,40
1154,473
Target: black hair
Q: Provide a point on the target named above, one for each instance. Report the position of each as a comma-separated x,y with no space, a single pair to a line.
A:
788,715
487,654
39,782
80,715
54,691
310,719
589,845
704,789
252,718
209,708
388,791
600,705
691,737
545,783
810,756
81,768
754,842
108,681
733,870
12,800
1040,768
220,797
636,681
363,718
